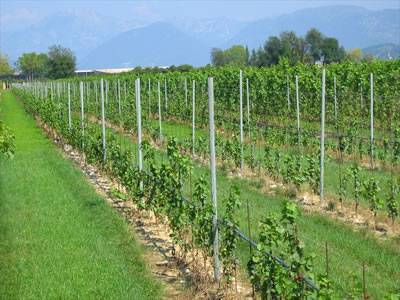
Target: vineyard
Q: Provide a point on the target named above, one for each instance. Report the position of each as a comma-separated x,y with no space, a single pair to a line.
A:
285,177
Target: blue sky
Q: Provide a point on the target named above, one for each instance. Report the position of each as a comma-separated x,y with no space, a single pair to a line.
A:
28,12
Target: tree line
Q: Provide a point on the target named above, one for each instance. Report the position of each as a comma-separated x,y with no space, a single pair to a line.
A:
312,48
58,62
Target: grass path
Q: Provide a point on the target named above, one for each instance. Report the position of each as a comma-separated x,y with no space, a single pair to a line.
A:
58,238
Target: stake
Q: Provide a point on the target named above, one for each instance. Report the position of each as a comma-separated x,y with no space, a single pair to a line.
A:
298,109
186,93
119,98
217,271
372,120
193,114
149,91
82,116
103,123
321,193
288,92
335,97
165,94
159,108
248,106
139,127
241,118
69,107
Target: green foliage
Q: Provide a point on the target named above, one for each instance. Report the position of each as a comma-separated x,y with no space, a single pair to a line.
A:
5,67
61,62
236,55
370,192
7,144
33,64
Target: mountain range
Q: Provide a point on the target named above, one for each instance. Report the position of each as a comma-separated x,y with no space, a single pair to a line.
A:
101,41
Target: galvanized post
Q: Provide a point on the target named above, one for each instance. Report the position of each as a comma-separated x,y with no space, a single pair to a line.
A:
103,123
248,106
335,97
288,91
159,108
372,120
82,115
241,117
321,193
119,97
298,109
186,93
139,127
165,94
69,107
193,114
149,91
217,271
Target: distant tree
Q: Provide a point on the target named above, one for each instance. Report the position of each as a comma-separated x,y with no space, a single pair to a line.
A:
331,51
33,64
235,55
272,51
5,67
314,40
291,46
217,57
184,68
354,55
61,62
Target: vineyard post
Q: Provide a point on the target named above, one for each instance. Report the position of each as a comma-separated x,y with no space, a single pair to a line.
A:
193,114
139,127
103,123
186,93
159,107
149,91
241,117
217,273
106,88
288,92
119,97
298,109
82,114
165,94
321,193
372,120
96,95
248,105
69,107
335,96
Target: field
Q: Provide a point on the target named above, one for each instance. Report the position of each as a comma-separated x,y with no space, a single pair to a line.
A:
311,235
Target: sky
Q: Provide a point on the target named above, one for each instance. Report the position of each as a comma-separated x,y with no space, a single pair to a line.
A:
17,13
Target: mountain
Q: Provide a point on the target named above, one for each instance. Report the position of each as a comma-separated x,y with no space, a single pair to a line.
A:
79,31
383,51
354,27
159,44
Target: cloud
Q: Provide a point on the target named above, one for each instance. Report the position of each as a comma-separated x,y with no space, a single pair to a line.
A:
18,18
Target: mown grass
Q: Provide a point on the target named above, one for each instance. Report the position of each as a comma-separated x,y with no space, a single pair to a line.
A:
58,238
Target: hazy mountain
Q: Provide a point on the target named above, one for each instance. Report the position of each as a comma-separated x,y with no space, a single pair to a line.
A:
383,51
159,44
80,32
211,31
354,27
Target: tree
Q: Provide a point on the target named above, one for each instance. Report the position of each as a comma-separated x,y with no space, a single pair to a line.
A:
354,55
331,51
235,55
217,57
272,51
33,64
61,62
314,40
5,68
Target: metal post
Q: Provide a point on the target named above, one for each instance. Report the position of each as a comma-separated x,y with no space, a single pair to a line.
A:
119,97
149,104
165,94
69,107
321,193
298,109
103,123
372,120
139,127
159,107
217,272
82,115
335,97
248,105
186,93
193,114
288,92
241,117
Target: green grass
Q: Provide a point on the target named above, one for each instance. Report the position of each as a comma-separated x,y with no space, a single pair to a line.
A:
58,238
